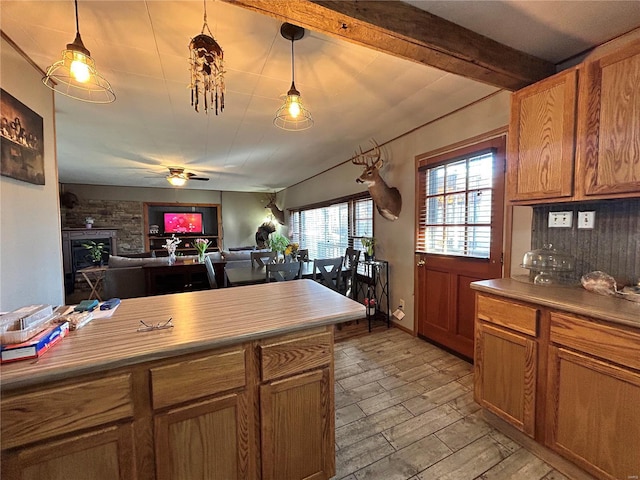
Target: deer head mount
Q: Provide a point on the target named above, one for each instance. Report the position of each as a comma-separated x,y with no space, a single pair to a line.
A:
277,213
387,199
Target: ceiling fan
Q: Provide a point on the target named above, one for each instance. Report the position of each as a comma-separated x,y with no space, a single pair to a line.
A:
178,177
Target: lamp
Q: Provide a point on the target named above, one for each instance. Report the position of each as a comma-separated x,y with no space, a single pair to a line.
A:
207,74
76,74
177,180
292,115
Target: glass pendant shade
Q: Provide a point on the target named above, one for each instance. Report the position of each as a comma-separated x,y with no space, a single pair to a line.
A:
292,115
75,75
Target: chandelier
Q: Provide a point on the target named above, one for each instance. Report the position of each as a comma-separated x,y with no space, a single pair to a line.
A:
76,74
207,74
292,115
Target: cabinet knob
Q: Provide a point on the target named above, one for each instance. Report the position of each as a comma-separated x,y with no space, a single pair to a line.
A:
421,263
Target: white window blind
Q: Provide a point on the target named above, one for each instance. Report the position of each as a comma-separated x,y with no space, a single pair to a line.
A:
455,201
327,231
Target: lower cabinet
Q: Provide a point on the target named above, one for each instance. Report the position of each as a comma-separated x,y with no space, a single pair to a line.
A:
505,375
572,382
593,400
103,454
263,409
297,441
205,440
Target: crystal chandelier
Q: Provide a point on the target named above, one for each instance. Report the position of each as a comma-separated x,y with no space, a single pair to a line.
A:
207,70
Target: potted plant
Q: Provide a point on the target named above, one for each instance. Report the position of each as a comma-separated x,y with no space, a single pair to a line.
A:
278,242
88,222
368,244
95,251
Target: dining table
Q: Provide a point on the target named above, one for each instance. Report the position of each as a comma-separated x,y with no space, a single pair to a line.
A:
237,276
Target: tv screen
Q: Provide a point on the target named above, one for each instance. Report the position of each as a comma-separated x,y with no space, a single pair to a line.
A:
183,223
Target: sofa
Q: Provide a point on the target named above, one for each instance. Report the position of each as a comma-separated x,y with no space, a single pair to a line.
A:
125,277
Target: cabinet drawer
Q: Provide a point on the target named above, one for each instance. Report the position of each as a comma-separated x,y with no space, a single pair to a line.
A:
614,343
196,378
522,318
53,411
286,356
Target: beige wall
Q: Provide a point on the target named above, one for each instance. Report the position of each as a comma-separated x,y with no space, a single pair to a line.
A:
396,239
30,241
242,212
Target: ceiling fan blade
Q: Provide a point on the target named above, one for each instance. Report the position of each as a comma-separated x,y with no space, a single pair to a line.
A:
204,179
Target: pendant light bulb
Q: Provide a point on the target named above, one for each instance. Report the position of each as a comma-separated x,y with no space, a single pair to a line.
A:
79,69
294,106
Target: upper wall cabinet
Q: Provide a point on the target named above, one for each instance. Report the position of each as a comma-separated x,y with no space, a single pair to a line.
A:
608,147
541,140
565,146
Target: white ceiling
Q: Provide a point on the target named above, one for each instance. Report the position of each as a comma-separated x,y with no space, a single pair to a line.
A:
354,93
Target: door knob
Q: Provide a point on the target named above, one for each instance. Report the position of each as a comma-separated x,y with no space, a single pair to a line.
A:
421,263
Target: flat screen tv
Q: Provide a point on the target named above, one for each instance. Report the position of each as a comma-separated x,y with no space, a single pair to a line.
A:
183,223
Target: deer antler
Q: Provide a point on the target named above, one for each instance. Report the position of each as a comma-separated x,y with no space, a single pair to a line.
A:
368,159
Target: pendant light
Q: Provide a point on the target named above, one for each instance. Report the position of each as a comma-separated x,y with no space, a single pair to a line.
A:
292,115
207,70
76,74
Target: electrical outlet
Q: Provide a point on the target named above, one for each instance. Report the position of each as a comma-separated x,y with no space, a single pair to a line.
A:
401,305
560,219
586,219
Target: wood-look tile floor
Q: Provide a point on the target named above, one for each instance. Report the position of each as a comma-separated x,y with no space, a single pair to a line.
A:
405,410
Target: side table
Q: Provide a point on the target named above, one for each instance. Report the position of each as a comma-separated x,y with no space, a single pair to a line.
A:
94,277
372,284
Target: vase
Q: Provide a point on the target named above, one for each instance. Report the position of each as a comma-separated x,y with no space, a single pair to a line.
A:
172,258
201,257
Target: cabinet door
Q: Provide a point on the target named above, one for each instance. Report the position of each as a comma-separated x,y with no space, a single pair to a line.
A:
505,375
106,454
593,414
540,153
608,155
207,440
298,427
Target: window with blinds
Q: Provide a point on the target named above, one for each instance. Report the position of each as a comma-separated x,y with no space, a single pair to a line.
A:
455,200
327,230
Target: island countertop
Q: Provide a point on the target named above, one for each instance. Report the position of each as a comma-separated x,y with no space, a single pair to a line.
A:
202,320
570,299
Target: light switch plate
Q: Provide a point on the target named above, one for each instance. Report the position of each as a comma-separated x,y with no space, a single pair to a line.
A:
586,219
560,219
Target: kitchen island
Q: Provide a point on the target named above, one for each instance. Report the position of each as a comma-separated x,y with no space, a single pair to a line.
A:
559,367
240,387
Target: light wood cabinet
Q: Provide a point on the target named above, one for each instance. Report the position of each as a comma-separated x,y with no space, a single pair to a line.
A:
574,136
260,409
505,367
593,396
570,382
608,152
541,139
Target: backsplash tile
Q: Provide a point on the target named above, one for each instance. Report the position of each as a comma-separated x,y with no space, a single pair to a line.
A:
613,246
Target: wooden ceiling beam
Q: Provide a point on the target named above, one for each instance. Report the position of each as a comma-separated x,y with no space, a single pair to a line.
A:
405,31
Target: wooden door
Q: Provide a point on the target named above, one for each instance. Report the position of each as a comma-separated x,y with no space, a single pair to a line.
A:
445,303
593,414
204,440
104,454
298,427
541,140
505,374
608,151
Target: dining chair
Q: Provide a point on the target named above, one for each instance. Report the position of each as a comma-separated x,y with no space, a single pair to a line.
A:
211,273
351,257
303,254
283,272
328,272
260,259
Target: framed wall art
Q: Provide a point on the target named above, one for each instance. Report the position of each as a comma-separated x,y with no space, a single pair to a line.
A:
21,141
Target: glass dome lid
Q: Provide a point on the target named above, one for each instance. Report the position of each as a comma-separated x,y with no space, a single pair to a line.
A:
548,259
